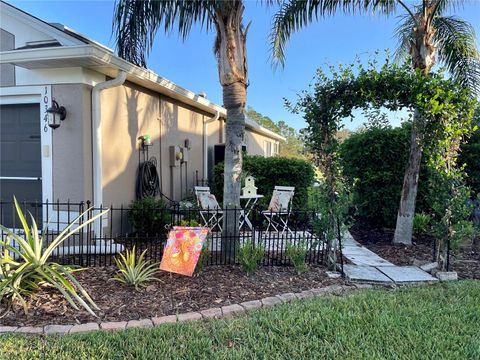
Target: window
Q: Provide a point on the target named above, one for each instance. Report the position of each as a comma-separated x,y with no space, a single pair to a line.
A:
267,148
276,148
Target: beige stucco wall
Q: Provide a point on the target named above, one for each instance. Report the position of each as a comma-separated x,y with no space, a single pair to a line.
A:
130,111
72,156
255,141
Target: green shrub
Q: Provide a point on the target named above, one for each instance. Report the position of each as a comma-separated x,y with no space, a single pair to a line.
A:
250,255
421,223
274,171
374,163
133,271
189,223
19,278
470,157
464,232
149,216
203,258
297,254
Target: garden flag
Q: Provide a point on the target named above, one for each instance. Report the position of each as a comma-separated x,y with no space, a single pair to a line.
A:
183,249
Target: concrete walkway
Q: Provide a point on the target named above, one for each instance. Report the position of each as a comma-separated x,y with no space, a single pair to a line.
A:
369,267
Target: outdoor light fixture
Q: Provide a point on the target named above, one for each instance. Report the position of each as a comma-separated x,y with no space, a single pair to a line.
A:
55,114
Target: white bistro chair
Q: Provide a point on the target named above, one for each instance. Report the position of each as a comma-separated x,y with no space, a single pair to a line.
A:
210,211
279,209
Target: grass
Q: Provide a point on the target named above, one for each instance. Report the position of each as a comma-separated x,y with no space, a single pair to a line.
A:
432,322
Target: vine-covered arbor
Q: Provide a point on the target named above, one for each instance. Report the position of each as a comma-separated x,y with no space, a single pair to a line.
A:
442,109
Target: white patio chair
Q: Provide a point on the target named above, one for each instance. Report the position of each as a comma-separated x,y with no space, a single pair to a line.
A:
279,209
210,211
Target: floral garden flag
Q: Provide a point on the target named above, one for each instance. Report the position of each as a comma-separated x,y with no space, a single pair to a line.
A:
183,249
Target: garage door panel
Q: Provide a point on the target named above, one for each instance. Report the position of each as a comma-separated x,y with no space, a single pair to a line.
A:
7,150
26,192
20,158
30,154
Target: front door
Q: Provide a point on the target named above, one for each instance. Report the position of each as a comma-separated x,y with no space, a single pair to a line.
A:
20,161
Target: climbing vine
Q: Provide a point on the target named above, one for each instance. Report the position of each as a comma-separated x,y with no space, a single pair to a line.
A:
445,111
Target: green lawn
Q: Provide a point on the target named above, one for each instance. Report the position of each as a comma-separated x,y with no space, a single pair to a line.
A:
434,322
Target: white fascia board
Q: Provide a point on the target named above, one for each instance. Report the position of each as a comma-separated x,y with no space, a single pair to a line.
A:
251,124
39,25
109,64
26,56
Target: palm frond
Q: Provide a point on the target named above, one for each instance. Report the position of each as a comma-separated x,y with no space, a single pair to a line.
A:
458,51
297,14
443,5
135,23
404,34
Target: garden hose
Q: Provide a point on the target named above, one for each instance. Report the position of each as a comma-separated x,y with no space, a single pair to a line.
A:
148,182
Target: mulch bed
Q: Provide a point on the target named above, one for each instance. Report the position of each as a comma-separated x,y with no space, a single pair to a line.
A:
215,286
466,261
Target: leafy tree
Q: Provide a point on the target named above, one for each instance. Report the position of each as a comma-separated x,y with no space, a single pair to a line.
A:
262,120
293,146
425,33
135,25
470,157
446,107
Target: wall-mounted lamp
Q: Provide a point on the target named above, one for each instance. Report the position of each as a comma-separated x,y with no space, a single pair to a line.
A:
146,140
55,114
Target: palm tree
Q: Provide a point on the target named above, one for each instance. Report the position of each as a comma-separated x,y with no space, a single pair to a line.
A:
135,25
425,34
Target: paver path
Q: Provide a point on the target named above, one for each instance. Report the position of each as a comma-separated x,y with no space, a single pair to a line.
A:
368,266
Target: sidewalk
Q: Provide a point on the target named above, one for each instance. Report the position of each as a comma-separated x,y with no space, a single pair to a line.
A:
369,267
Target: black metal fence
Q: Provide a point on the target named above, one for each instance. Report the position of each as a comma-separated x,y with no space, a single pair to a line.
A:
147,229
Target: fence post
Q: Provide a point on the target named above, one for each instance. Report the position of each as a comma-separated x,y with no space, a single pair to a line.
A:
448,253
339,232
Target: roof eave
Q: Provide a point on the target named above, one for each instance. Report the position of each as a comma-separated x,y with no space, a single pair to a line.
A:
103,61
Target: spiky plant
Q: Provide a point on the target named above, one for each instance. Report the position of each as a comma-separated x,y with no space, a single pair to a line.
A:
133,271
24,265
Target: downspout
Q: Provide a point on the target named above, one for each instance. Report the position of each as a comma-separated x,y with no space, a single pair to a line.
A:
205,142
97,141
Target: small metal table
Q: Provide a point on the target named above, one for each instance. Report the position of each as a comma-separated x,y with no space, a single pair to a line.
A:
251,201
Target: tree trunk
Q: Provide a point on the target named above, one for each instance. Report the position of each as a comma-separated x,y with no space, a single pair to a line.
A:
230,49
422,50
406,211
235,130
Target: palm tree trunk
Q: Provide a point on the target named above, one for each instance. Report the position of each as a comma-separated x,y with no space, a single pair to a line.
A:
406,211
234,97
230,48
423,58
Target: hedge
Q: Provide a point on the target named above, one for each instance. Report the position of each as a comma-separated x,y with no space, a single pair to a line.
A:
374,163
274,171
470,157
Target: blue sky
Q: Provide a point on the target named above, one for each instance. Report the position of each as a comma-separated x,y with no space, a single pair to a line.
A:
192,65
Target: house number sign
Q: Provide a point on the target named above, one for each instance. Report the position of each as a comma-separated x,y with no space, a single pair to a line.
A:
46,104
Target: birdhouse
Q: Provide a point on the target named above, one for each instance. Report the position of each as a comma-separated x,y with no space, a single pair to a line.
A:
250,189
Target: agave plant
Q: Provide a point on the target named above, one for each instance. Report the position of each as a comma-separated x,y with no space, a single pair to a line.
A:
22,274
133,271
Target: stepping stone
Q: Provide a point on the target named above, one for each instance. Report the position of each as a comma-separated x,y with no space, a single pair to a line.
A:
355,250
348,239
406,273
360,255
369,260
365,273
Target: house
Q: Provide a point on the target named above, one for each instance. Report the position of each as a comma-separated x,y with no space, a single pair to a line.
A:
110,106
